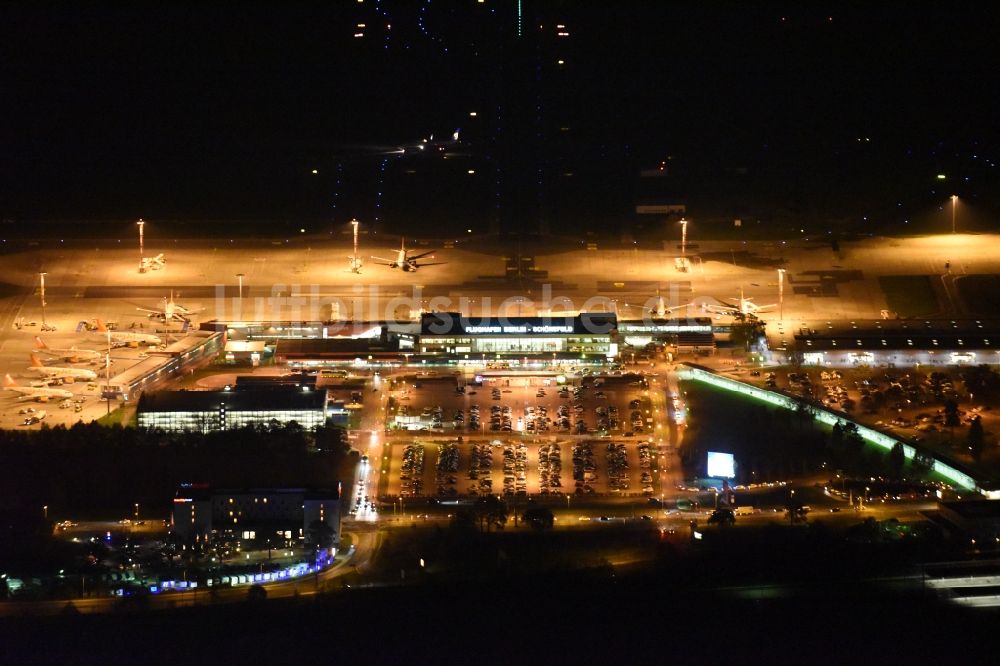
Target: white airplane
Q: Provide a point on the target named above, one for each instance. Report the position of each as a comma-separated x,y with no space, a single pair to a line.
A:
68,375
745,307
152,263
128,337
41,394
171,311
404,261
659,308
73,355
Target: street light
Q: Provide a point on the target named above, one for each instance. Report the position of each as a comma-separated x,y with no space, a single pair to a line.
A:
239,276
41,290
684,236
954,202
781,294
142,252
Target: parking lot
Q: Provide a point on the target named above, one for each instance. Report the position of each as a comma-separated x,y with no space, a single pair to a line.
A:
615,405
519,466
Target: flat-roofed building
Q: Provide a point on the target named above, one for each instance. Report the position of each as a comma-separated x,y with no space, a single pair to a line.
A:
227,410
246,517
451,333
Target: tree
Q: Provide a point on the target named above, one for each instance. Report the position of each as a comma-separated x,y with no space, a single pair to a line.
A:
896,460
976,439
922,463
539,518
981,380
463,520
951,413
491,512
723,517
795,511
320,535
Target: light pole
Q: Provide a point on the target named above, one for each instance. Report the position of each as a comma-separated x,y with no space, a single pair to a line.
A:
41,281
142,249
239,276
954,203
45,511
781,294
684,237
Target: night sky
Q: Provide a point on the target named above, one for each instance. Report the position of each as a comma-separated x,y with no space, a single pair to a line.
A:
778,111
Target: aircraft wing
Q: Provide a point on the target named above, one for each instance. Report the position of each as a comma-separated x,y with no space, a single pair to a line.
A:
383,262
421,255
151,311
432,263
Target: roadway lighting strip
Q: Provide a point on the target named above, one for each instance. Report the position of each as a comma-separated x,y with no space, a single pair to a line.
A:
822,415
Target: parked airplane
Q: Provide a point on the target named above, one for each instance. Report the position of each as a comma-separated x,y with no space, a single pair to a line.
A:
152,263
41,394
171,311
406,262
744,307
659,308
67,375
73,355
128,337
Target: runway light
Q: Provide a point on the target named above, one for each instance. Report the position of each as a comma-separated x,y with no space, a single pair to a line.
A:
472,171
315,170
941,176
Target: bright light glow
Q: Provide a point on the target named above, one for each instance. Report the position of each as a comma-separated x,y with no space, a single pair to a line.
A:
721,465
941,176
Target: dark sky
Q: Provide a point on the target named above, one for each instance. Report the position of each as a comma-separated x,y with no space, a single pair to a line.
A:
222,111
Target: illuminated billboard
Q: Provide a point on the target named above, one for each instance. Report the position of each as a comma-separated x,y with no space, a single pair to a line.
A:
721,465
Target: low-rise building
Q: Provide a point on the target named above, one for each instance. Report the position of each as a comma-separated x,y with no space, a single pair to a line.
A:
226,410
255,517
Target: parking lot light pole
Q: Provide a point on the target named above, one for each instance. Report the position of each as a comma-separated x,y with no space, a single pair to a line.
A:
781,294
954,202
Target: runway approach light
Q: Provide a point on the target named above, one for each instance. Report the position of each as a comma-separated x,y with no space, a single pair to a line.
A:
941,176
472,171
472,114
315,170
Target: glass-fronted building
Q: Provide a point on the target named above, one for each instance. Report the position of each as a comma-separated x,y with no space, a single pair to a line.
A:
227,410
451,333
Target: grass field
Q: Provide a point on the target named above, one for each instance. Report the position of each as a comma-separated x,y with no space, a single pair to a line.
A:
909,295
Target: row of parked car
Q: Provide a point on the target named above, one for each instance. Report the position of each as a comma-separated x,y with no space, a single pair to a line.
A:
446,468
515,464
549,469
412,471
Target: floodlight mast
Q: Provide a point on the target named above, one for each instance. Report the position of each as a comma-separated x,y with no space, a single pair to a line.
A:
356,259
142,249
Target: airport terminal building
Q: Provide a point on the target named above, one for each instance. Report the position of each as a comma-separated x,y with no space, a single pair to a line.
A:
587,334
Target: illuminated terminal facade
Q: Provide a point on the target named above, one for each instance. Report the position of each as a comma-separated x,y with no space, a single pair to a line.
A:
450,333
226,410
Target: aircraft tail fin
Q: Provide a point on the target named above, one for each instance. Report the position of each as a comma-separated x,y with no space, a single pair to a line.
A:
40,344
8,380
101,328
35,363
